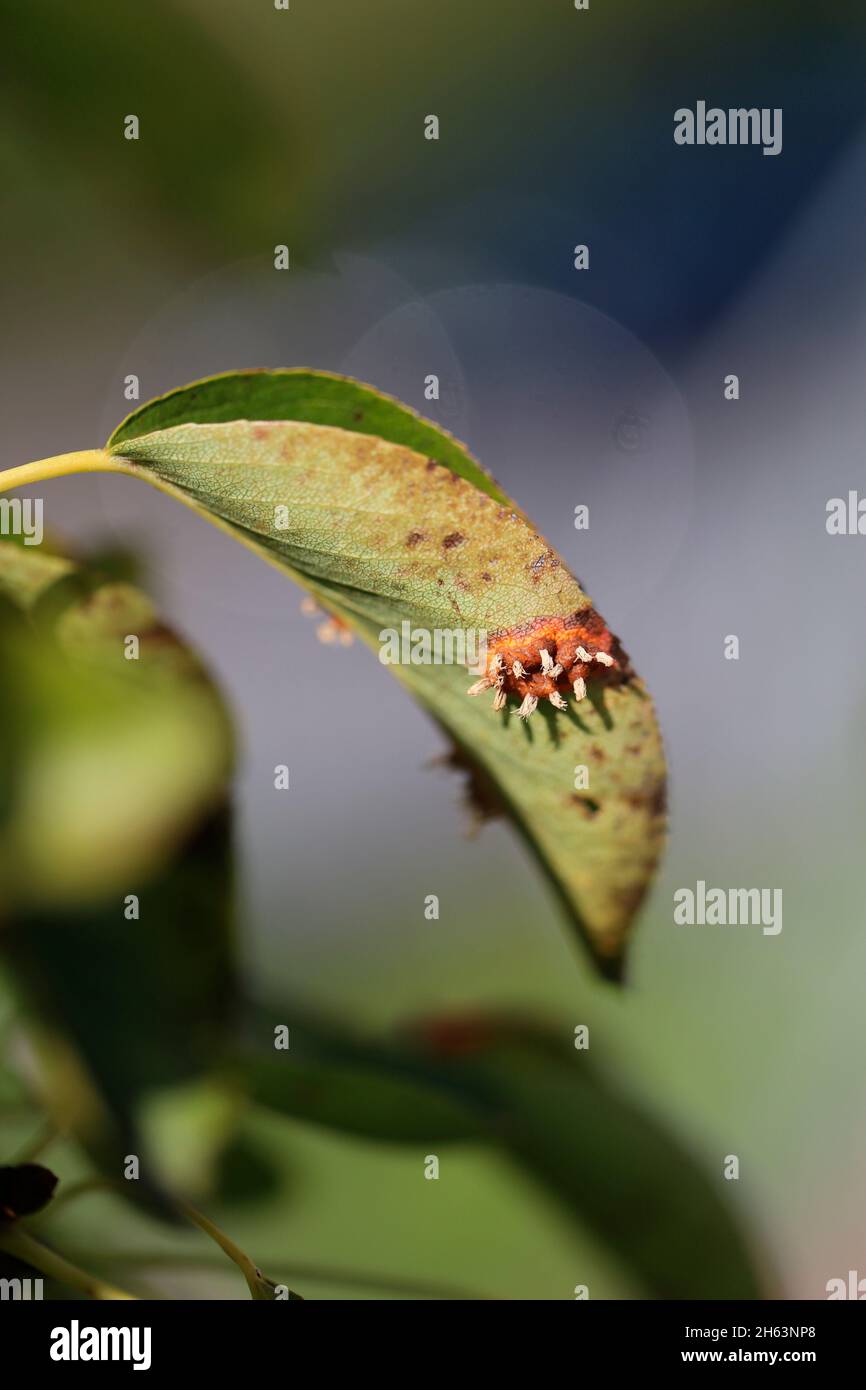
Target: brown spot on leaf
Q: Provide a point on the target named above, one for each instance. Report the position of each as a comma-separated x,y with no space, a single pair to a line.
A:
452,540
457,1036
414,537
656,803
481,795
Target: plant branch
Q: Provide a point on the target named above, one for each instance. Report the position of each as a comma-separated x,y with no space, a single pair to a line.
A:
81,1188
84,461
259,1285
302,1271
32,1252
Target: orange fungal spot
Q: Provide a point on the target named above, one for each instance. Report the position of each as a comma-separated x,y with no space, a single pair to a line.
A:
551,659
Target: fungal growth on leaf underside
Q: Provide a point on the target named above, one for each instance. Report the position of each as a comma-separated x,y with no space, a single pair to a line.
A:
551,658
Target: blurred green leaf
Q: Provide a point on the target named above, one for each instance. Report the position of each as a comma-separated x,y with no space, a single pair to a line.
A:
547,1105
373,1091
115,780
212,175
112,760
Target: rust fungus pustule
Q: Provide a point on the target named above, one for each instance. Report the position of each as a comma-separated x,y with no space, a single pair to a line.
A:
551,659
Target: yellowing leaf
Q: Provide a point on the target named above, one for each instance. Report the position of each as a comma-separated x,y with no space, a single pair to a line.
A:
400,534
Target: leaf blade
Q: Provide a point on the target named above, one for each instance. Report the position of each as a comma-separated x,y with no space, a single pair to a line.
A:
383,535
113,782
322,398
523,1089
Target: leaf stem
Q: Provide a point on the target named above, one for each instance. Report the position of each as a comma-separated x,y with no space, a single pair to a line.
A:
23,1247
302,1271
69,1191
256,1281
84,461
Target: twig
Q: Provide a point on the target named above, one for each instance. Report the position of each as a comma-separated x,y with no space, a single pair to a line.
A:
22,1246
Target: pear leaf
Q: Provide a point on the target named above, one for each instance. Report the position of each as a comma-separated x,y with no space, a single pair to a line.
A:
116,924
399,534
